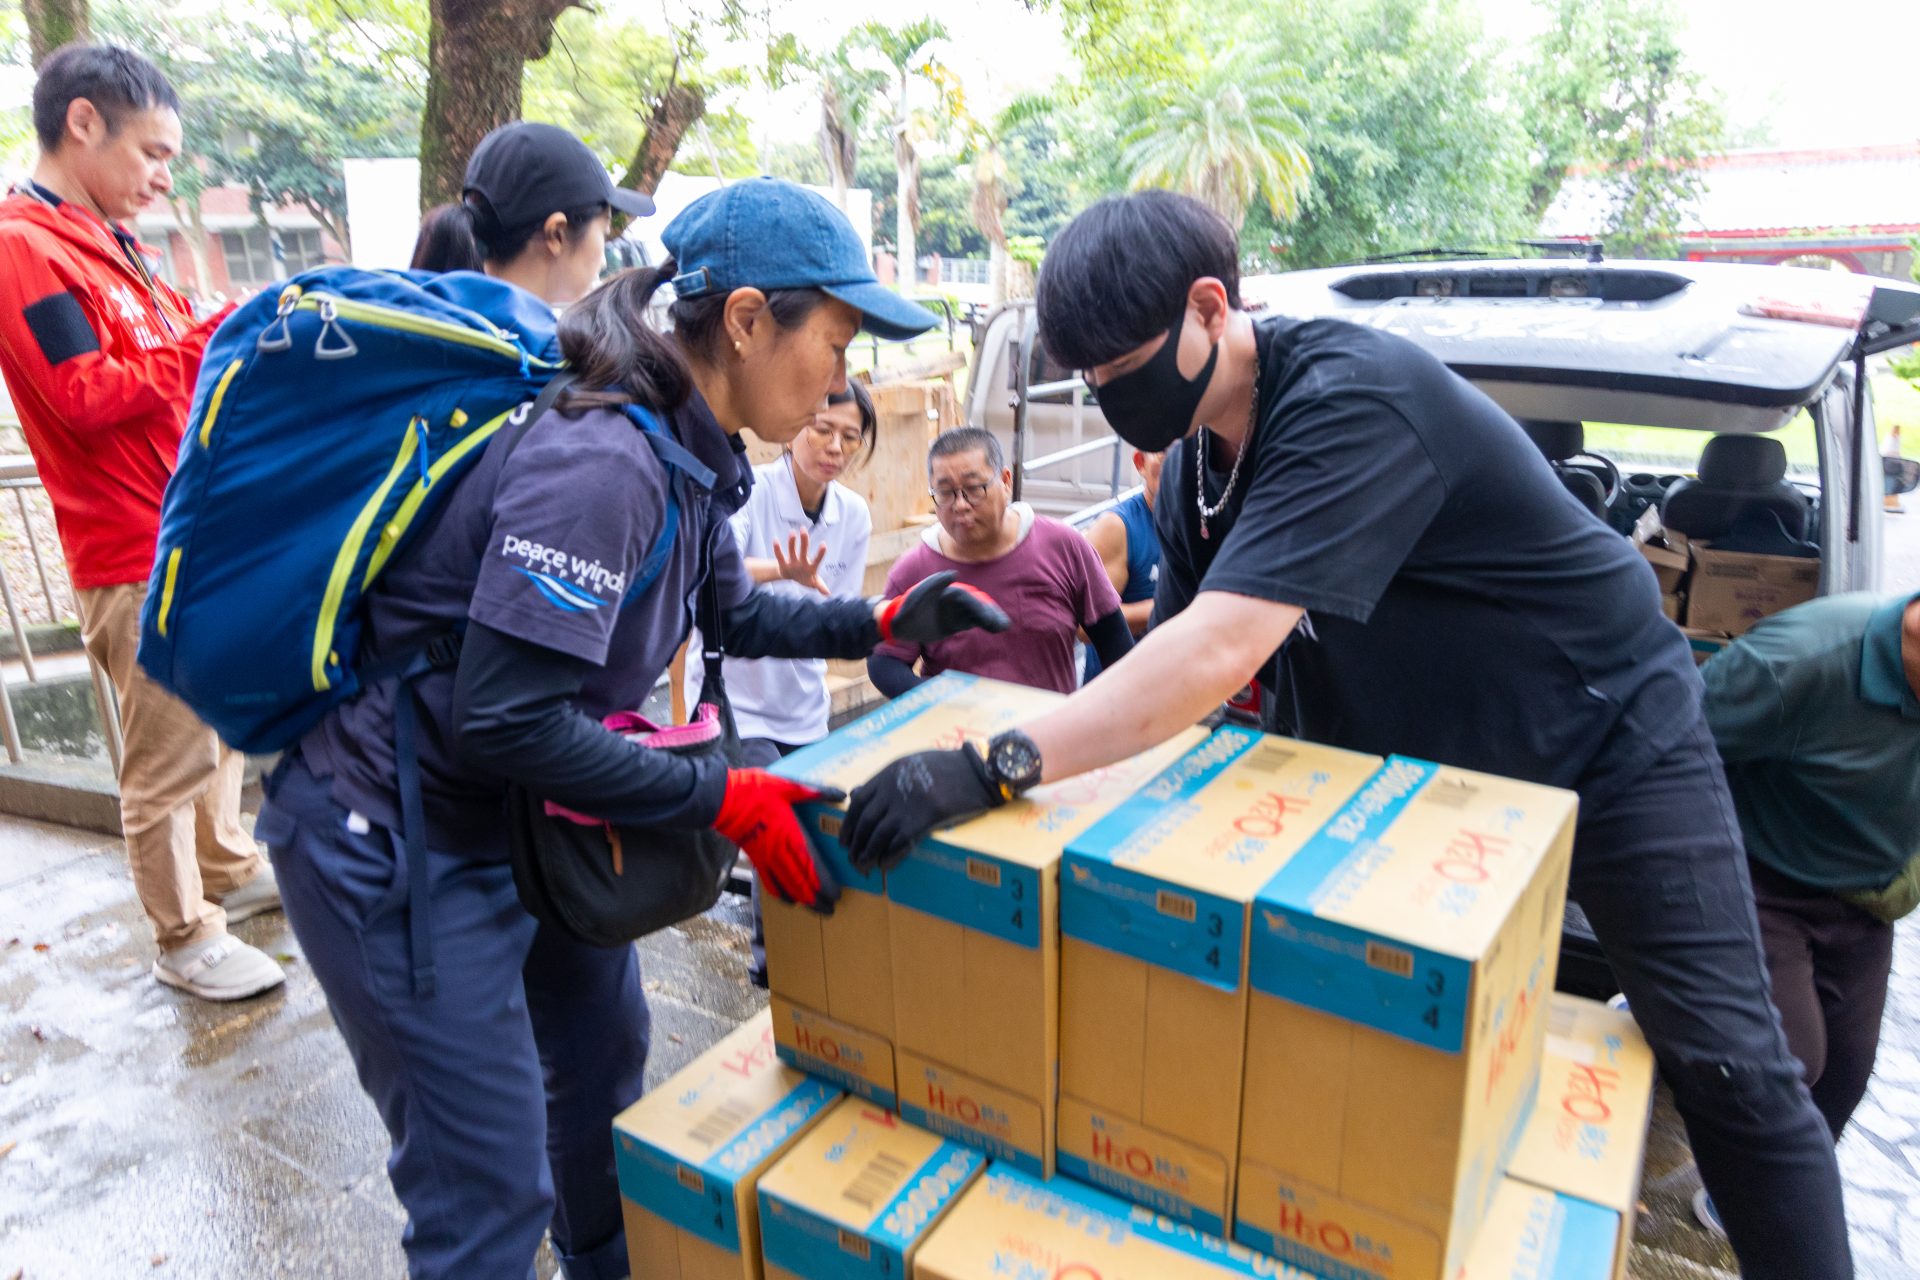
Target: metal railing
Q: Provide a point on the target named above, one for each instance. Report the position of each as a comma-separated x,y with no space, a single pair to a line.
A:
21,475
943,306
1023,395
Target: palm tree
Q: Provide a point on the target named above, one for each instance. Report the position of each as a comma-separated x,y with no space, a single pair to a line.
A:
991,179
906,53
1226,135
846,95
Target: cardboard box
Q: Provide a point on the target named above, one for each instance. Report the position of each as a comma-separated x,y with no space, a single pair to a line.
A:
1588,1132
1155,901
1542,1235
689,1154
1400,964
976,961
1010,1226
1674,607
1705,643
833,975
1669,566
1731,590
857,1194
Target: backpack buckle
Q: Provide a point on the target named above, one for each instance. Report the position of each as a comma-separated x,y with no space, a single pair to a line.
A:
443,650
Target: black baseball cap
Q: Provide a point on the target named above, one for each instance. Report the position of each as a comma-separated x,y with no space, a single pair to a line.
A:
527,171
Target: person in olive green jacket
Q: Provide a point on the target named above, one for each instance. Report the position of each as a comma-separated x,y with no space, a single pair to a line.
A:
1817,715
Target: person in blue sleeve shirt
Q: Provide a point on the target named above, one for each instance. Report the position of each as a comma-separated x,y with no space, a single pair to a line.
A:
499,1083
1129,549
1341,512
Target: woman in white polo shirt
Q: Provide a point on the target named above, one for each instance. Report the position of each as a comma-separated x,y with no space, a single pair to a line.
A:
800,531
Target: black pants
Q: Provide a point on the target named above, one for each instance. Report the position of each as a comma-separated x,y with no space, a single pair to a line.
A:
761,753
1829,961
1659,867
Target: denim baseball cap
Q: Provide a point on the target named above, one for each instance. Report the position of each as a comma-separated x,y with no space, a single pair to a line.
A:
767,233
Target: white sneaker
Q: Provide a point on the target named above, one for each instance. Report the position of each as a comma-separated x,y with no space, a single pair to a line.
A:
223,968
260,894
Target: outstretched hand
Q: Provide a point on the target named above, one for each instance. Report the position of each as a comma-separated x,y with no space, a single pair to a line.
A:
794,564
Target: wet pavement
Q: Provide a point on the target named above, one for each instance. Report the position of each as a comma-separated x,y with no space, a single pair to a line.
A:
145,1133
150,1134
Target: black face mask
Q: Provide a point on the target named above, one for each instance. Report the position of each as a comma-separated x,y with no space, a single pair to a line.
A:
1153,406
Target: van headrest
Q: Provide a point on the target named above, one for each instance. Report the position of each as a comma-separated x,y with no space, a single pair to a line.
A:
1558,440
1743,462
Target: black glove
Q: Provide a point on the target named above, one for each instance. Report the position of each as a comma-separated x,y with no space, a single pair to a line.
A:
935,608
892,810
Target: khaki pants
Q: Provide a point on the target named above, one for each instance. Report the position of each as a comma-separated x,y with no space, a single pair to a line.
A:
179,785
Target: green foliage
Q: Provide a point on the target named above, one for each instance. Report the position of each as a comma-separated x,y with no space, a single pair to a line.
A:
1906,364
1227,132
1410,141
269,107
1609,91
605,74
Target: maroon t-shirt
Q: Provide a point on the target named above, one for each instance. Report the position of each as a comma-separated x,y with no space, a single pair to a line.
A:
1051,584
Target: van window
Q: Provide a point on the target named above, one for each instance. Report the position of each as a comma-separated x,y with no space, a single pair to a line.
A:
1677,451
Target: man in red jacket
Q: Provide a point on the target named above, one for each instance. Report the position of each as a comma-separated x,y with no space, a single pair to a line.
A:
100,358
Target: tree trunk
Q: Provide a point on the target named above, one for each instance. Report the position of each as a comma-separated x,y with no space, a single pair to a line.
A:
477,53
52,23
997,272
193,229
678,109
333,224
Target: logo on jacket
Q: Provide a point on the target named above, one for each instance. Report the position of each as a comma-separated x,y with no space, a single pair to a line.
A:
572,584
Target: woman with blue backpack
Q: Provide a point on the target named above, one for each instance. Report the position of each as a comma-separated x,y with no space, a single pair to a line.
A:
549,591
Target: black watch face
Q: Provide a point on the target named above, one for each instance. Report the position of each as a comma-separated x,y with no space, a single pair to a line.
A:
1016,760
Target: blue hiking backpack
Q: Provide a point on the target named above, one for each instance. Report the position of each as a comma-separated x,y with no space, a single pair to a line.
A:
330,419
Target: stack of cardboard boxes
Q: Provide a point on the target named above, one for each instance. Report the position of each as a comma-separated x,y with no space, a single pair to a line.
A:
1715,595
1256,988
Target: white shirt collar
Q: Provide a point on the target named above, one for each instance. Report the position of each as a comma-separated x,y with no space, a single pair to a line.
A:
786,494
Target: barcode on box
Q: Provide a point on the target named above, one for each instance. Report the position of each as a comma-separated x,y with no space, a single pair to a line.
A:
830,825
721,1123
1177,905
1394,960
877,1181
1450,793
856,1244
981,871
692,1181
1269,757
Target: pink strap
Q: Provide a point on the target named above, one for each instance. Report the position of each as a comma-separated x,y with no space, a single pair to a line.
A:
642,732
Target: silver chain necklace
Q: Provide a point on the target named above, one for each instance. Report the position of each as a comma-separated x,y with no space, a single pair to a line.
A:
1200,465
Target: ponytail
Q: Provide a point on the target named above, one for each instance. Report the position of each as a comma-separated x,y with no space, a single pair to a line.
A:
468,235
616,355
448,241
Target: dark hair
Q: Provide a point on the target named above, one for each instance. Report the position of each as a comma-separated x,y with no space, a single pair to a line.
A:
1118,275
618,357
968,440
856,394
699,322
116,81
467,236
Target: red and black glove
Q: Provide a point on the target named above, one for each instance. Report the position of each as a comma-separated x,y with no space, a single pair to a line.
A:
936,607
757,814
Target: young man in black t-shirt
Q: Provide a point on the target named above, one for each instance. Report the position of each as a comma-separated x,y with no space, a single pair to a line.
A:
1365,526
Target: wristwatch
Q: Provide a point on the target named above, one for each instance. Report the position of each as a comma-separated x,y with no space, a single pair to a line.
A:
1013,762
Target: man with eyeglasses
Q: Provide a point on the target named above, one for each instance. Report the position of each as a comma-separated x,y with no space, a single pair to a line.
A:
1042,572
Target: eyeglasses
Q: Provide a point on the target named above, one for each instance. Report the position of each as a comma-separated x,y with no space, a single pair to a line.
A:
973,493
824,432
